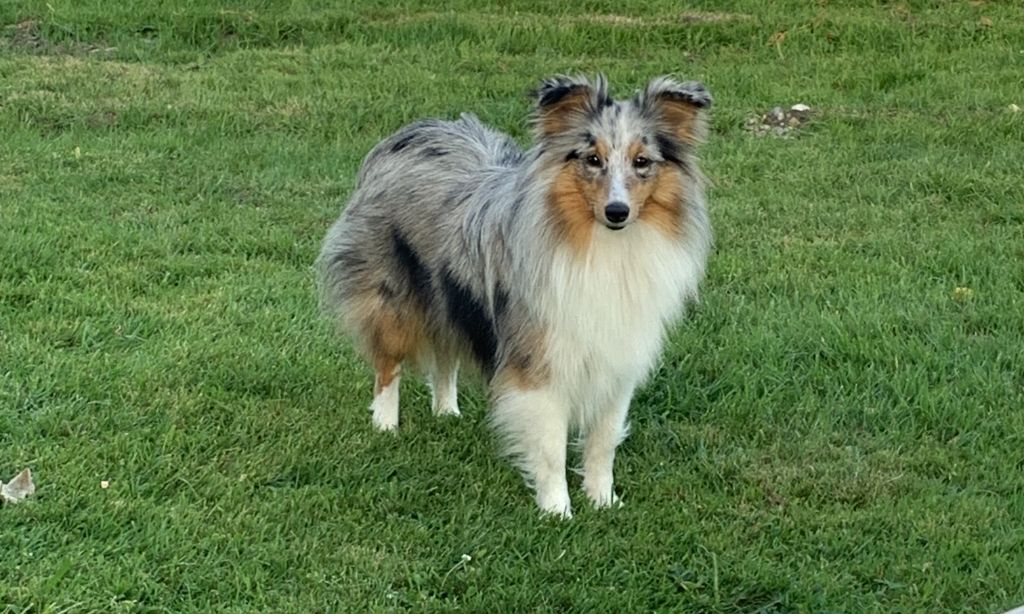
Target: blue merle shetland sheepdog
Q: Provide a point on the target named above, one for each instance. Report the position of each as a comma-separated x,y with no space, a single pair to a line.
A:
555,270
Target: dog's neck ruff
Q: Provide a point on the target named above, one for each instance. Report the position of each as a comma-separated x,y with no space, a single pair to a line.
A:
606,310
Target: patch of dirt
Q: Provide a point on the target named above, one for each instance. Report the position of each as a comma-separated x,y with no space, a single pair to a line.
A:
103,119
626,21
780,122
612,20
685,17
27,37
710,17
47,63
24,36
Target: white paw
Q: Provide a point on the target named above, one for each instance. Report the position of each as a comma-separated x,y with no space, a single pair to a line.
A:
606,501
557,505
602,495
385,425
385,407
447,409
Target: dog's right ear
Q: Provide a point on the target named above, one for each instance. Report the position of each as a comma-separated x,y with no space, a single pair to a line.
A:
564,101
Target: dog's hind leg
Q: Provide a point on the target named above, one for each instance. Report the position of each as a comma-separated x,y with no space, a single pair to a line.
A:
444,376
392,339
385,394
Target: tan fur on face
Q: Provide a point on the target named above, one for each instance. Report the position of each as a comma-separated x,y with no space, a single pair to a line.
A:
571,201
662,200
659,198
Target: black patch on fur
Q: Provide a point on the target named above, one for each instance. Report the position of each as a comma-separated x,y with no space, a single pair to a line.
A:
468,315
590,138
551,93
419,276
572,155
689,93
434,152
402,143
670,149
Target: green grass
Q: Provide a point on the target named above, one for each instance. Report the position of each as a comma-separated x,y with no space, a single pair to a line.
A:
834,428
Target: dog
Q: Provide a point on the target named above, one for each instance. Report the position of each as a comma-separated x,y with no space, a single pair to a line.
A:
555,270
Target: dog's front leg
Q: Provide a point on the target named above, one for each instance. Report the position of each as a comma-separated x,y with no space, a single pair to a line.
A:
535,425
599,444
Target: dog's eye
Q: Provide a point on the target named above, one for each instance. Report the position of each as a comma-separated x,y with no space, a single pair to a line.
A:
641,162
593,161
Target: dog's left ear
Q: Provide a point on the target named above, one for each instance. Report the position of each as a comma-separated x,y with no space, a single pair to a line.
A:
678,107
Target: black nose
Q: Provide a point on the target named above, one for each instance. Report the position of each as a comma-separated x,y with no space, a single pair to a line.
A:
616,212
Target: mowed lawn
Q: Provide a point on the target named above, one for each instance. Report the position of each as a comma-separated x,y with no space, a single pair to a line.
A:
838,426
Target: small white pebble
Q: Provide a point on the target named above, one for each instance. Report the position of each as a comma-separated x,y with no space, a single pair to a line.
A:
104,484
1014,108
801,107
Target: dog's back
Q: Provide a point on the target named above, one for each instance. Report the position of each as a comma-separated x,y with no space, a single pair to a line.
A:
432,151
415,195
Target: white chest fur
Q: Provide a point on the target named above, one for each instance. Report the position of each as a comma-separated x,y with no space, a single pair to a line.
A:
607,313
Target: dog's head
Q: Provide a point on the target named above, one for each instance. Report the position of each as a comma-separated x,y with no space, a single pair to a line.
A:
619,161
